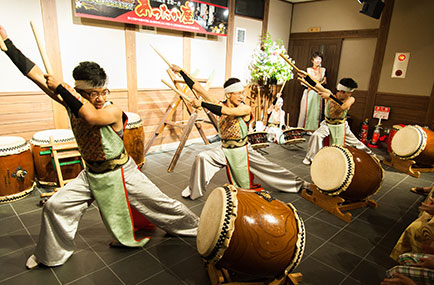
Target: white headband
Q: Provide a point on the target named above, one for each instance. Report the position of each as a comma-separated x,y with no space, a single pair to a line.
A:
344,88
86,84
236,87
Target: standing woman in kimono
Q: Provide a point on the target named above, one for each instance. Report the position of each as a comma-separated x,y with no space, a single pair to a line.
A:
310,105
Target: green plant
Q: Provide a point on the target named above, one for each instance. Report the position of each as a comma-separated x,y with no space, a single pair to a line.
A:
267,65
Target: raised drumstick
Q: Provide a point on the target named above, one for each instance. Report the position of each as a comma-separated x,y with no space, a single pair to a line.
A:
41,49
186,98
162,57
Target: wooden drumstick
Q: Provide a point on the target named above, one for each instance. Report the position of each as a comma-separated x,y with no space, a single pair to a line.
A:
290,63
2,45
186,98
41,49
162,57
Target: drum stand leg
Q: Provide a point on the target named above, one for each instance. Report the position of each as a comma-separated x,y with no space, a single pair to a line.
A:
221,276
402,165
333,204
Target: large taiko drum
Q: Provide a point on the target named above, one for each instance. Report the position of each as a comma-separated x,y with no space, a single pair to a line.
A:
16,169
347,172
134,138
393,131
45,171
258,139
293,136
250,232
416,143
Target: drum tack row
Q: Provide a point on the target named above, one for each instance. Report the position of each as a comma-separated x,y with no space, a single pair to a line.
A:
23,163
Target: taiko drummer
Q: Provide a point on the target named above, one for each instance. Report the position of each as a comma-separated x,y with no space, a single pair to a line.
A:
111,177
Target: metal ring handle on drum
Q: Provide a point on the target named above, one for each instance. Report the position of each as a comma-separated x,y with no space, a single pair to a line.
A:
424,139
228,226
349,176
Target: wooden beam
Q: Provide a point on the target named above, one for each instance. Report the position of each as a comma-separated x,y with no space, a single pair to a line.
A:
346,34
52,46
230,39
131,57
378,58
266,16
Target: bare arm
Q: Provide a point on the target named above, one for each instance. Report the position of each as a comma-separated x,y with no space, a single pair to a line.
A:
240,111
35,73
197,86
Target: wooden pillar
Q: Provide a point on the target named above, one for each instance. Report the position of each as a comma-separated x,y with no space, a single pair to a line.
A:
429,120
186,63
266,17
131,57
51,36
378,58
230,39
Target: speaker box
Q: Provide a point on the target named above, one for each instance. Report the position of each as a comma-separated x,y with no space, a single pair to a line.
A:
372,8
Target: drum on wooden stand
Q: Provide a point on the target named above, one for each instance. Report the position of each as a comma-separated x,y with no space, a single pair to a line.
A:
16,169
258,139
250,232
293,136
416,143
347,172
134,138
393,131
45,170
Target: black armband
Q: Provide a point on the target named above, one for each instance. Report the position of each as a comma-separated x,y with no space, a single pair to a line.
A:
310,80
187,79
215,109
18,58
73,103
275,101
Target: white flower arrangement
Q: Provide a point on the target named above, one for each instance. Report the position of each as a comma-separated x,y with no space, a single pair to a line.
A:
267,66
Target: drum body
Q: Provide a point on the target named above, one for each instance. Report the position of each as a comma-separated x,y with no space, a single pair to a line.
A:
293,136
346,172
393,131
258,139
45,171
250,232
16,169
416,143
134,138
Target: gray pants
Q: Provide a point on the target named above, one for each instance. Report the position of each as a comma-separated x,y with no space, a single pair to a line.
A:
63,211
207,163
316,140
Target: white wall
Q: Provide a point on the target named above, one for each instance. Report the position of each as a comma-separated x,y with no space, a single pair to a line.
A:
242,53
15,17
279,20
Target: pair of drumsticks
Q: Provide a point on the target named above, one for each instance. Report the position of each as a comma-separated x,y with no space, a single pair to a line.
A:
301,79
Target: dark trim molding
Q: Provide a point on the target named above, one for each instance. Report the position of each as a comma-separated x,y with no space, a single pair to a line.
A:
367,33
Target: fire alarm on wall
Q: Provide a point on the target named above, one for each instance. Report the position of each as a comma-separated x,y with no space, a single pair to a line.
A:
400,64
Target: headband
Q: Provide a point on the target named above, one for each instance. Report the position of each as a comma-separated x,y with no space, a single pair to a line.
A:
87,84
344,88
236,87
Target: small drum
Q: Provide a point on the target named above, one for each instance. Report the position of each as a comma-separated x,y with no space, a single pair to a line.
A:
250,232
134,138
45,170
346,171
393,131
293,136
16,169
414,142
258,139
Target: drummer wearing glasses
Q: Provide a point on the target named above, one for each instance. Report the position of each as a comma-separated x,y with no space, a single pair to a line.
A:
111,177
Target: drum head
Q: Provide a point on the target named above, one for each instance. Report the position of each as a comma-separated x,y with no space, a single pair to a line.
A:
12,145
213,221
330,168
134,120
407,141
59,136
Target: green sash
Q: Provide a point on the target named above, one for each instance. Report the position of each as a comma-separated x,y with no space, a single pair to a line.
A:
238,166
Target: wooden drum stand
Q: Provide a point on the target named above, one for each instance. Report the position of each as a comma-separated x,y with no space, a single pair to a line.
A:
406,166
